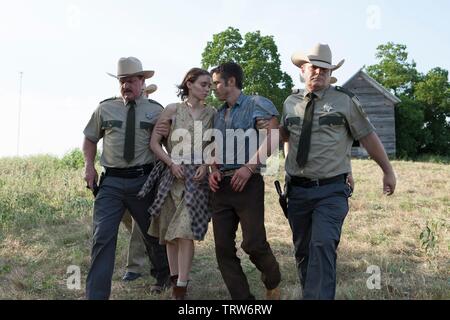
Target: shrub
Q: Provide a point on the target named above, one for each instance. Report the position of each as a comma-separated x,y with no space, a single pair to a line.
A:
73,159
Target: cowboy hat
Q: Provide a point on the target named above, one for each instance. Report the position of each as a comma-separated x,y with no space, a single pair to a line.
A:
150,88
319,55
131,66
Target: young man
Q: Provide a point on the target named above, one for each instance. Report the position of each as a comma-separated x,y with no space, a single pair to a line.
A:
235,182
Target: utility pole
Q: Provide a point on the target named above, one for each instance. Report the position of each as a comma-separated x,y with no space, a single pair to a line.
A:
20,111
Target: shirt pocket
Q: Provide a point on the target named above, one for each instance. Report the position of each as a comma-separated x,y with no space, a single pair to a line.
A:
111,125
332,127
146,126
294,125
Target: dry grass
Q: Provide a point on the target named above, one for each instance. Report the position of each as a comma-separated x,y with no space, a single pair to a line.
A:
45,226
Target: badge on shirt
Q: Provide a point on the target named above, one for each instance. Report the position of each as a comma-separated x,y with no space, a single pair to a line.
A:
149,116
328,108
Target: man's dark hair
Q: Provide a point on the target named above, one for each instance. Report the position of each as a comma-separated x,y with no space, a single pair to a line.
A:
228,70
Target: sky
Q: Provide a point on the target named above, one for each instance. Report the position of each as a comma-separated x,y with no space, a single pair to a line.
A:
64,49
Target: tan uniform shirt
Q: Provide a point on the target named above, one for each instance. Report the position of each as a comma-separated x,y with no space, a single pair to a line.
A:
109,121
338,120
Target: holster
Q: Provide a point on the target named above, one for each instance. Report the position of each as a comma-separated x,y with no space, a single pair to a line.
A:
97,187
282,198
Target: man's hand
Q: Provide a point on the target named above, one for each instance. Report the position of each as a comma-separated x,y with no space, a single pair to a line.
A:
262,123
351,182
375,149
163,128
389,183
90,176
240,179
213,180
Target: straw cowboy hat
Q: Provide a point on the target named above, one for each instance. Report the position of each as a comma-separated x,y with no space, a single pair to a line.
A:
150,88
131,66
320,56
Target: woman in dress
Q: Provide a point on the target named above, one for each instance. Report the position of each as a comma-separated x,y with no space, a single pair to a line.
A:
183,213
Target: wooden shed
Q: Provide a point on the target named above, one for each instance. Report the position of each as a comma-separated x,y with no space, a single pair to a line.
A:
379,104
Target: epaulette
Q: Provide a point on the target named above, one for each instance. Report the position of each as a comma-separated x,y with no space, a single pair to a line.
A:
109,99
296,91
156,102
352,96
347,92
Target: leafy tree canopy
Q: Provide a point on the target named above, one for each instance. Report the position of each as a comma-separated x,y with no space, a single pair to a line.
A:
259,58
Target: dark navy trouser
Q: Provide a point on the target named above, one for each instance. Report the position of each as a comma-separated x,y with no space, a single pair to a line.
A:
115,195
316,216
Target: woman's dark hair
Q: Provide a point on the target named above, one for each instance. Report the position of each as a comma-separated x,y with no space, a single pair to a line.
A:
230,70
191,76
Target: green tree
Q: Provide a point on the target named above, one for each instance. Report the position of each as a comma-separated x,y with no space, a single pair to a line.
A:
393,70
410,134
259,58
422,118
434,94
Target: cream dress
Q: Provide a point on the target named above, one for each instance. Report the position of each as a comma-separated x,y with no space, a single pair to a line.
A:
175,221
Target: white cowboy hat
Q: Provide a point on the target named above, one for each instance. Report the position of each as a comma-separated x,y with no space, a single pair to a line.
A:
131,66
150,88
319,55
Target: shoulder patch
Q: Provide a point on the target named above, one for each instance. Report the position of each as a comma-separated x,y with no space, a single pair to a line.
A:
347,92
297,91
156,102
109,99
353,96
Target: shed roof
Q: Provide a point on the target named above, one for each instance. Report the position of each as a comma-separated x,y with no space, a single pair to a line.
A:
375,84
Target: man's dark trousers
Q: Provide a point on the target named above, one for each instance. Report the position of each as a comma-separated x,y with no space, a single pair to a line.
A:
316,216
115,195
247,208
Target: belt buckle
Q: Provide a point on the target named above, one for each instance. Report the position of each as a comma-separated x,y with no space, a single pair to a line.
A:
315,182
140,171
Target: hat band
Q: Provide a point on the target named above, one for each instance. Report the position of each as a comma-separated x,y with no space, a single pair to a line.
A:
311,60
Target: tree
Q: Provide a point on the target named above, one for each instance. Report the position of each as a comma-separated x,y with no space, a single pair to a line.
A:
409,130
259,59
422,118
434,94
393,70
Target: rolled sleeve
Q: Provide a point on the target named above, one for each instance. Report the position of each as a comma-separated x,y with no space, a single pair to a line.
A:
93,130
360,125
264,108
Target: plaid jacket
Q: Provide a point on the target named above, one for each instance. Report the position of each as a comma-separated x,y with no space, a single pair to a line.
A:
196,195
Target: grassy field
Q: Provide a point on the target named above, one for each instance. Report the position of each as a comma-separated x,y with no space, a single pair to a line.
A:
45,226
